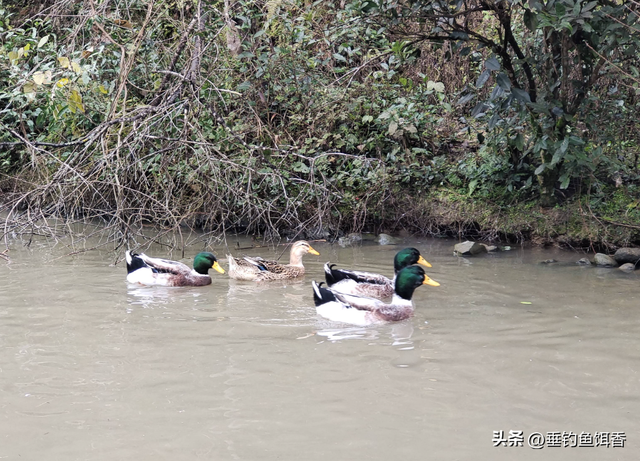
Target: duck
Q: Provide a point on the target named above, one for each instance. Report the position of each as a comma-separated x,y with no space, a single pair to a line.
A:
259,270
145,270
361,311
368,283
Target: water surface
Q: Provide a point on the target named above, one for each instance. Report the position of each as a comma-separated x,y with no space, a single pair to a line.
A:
93,368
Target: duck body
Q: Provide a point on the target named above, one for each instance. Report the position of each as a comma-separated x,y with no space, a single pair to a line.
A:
368,283
258,270
362,311
342,308
145,270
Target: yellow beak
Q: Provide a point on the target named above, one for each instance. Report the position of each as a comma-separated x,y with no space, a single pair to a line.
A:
313,252
217,267
428,281
423,262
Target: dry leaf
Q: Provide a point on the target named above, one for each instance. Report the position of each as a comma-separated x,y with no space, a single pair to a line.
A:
64,62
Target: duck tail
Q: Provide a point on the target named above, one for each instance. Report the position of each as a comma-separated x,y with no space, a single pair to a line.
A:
134,262
333,276
328,275
321,295
256,262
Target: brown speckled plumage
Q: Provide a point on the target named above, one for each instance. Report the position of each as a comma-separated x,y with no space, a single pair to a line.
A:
258,269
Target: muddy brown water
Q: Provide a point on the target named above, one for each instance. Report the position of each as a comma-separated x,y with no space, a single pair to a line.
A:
92,368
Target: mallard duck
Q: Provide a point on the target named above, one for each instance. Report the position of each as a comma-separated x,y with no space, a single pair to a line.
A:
258,269
145,270
368,283
362,311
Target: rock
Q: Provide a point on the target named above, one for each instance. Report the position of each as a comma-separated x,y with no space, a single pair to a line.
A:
627,255
603,260
350,240
583,262
505,248
627,267
345,242
355,237
469,248
490,247
386,239
548,261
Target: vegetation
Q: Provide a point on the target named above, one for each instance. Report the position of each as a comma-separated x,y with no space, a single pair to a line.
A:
316,118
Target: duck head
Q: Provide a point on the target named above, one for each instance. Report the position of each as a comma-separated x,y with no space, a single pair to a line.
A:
408,257
205,261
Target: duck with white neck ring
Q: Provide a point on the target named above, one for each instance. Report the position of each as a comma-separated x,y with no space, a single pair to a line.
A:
361,311
368,283
145,270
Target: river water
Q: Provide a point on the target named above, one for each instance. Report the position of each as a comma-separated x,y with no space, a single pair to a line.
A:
92,368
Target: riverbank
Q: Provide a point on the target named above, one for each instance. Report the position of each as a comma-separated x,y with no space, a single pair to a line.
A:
578,224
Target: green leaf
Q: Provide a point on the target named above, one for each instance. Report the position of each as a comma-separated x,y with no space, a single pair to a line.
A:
576,141
528,182
589,6
493,121
479,109
496,93
576,9
540,169
367,7
530,20
492,64
564,146
557,156
521,95
472,186
503,81
482,79
465,99
339,57
300,167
